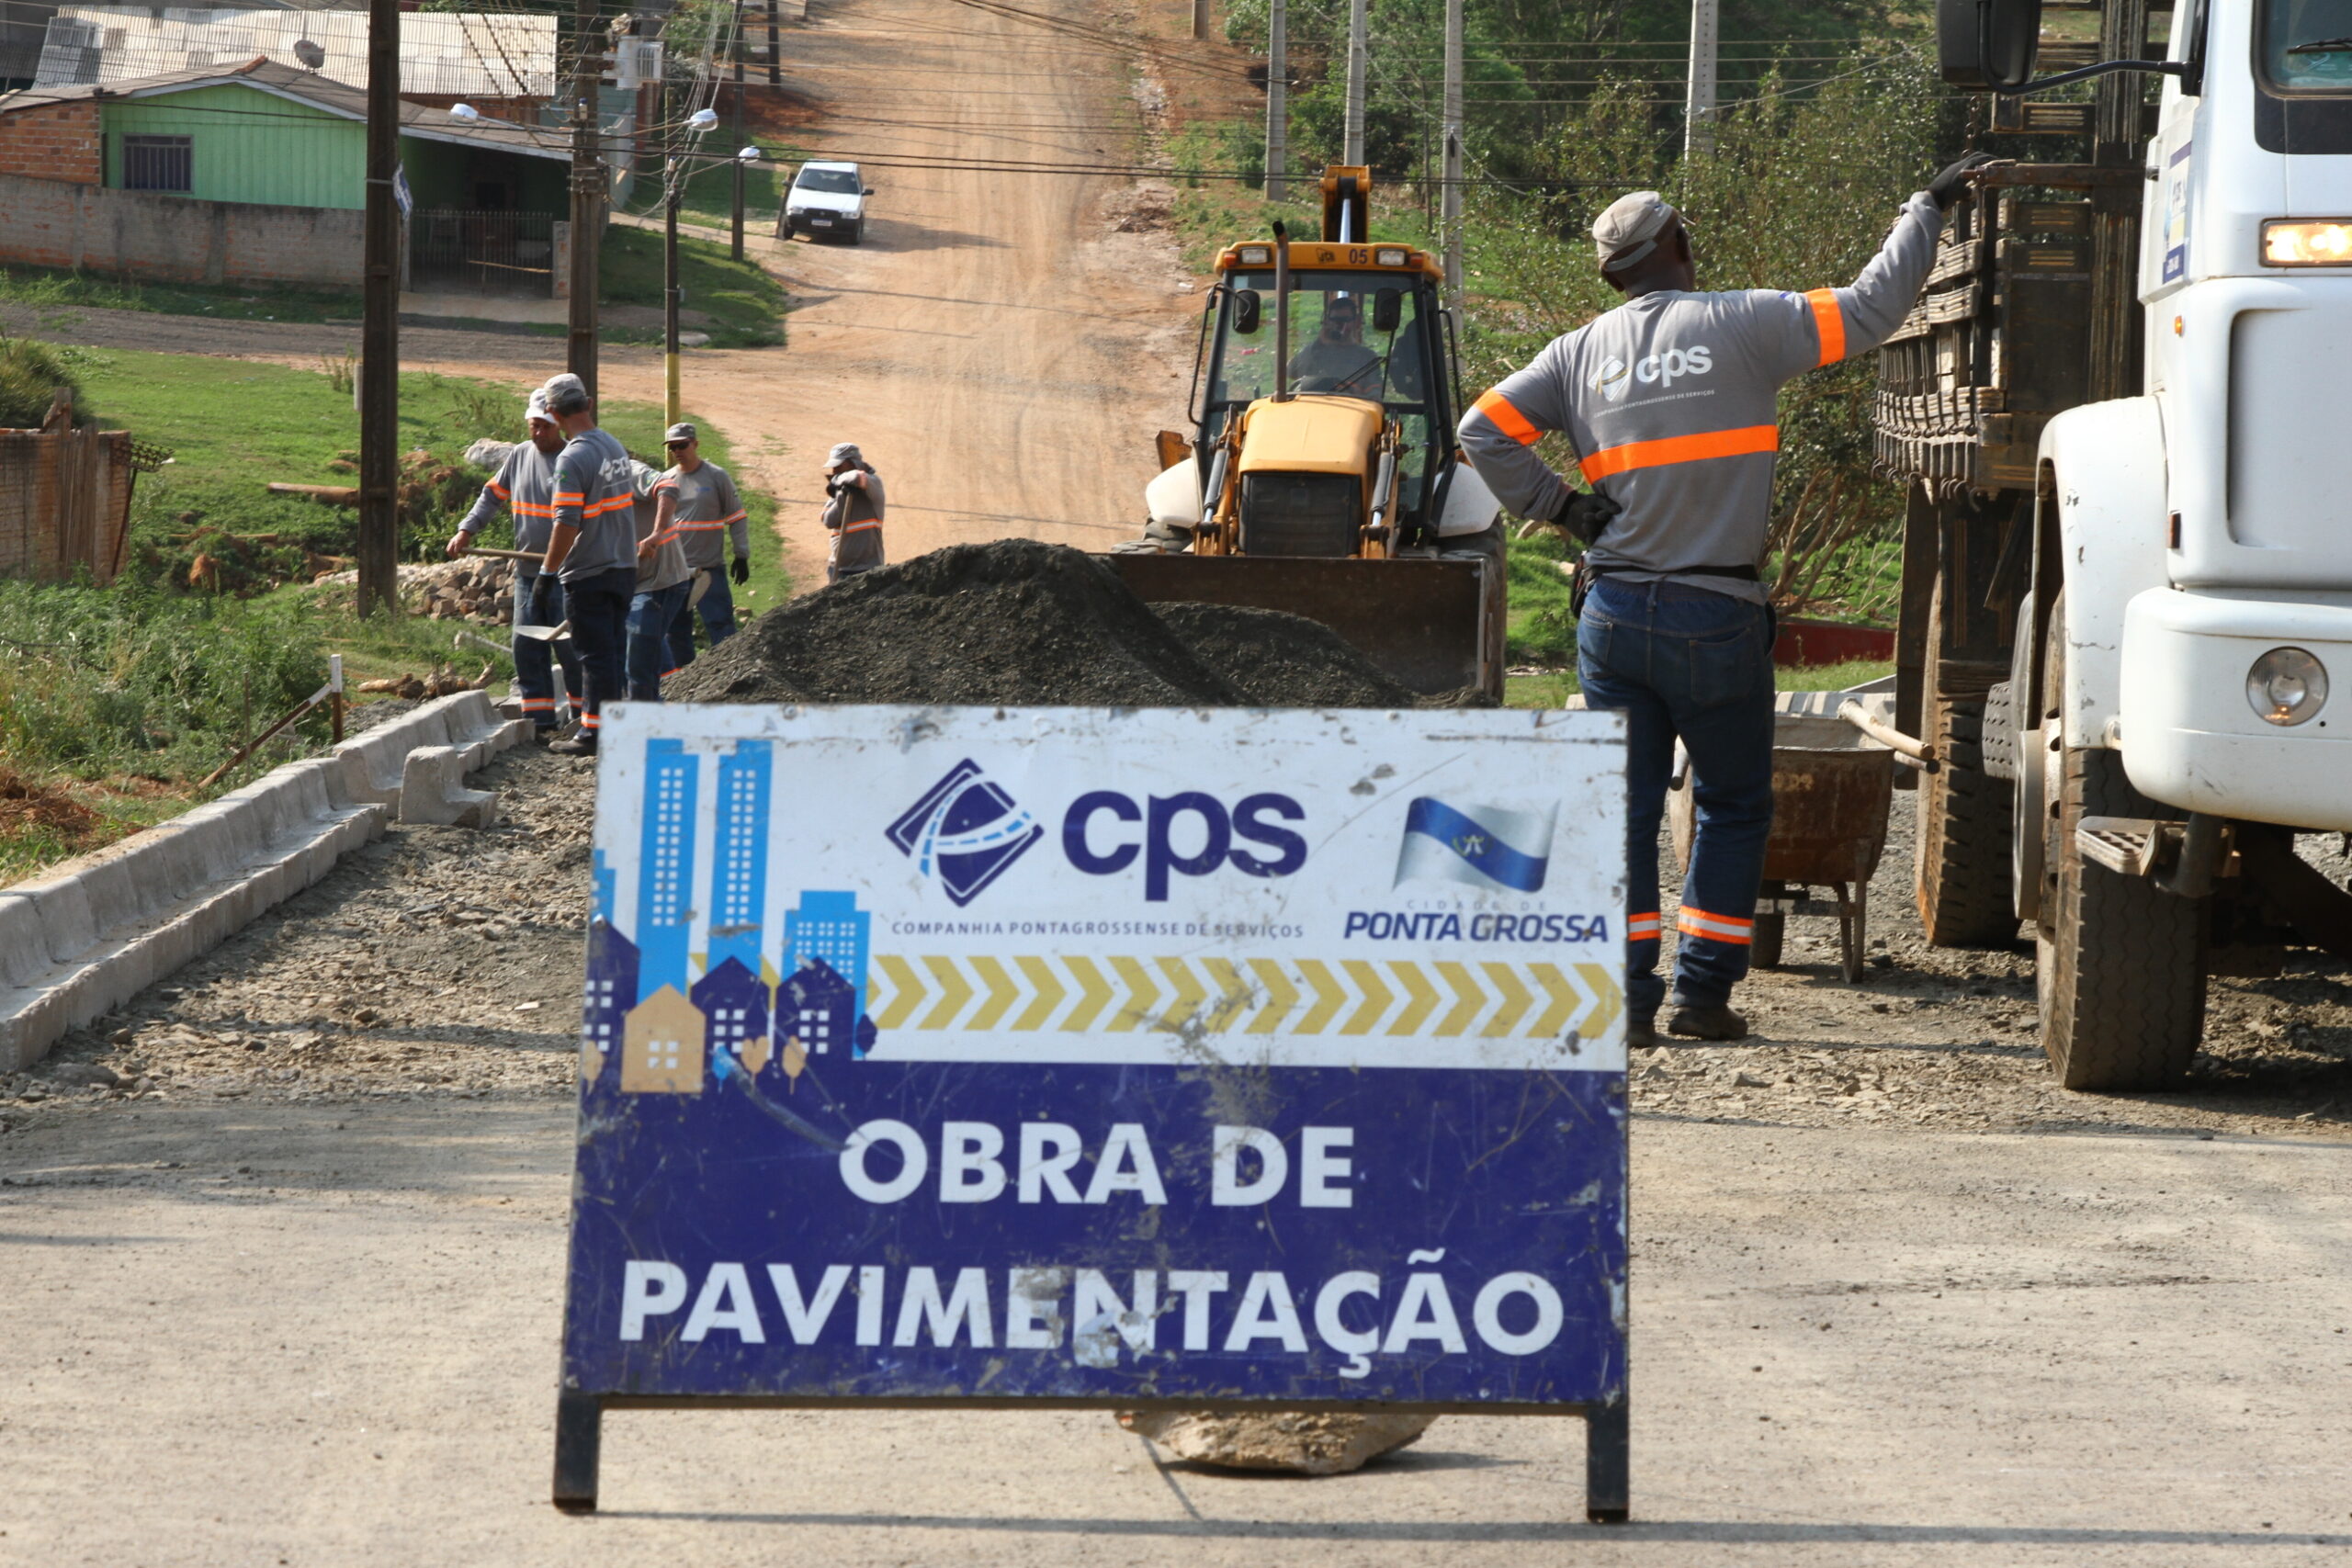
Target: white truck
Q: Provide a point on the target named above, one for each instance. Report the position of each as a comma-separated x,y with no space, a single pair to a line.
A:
2128,586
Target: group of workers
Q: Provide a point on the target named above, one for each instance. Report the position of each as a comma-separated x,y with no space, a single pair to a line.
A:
617,558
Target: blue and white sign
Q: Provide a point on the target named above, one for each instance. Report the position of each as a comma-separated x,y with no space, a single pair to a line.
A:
1080,1054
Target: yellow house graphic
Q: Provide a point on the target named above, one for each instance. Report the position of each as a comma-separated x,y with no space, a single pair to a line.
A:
662,1046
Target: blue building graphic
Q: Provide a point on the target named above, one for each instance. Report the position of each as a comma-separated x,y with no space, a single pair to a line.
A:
601,876
734,1003
740,856
606,997
665,867
828,926
815,1007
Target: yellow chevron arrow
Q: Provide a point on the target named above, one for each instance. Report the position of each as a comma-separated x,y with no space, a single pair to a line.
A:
1566,998
1050,992
1142,993
1516,998
1609,1000
954,992
1233,994
906,991
1376,997
1281,995
1421,997
1094,995
1003,990
1468,998
1189,993
1329,997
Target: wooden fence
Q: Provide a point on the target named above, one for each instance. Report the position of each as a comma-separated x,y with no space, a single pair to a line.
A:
64,501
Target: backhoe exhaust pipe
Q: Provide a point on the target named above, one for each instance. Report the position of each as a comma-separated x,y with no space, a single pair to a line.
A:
1282,314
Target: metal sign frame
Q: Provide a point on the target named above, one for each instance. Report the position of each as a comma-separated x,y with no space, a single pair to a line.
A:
1122,1029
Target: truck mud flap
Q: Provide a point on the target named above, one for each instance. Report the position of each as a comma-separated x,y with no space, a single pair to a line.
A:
1423,621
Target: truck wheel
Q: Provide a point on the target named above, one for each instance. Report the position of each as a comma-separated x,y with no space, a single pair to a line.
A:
2121,970
1961,869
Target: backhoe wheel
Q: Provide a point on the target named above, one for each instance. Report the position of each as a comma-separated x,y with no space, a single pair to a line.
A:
2121,971
1962,865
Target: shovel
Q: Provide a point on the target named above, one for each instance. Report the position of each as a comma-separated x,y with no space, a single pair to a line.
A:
544,634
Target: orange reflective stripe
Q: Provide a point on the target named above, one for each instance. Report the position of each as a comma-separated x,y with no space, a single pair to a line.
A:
1681,450
1715,928
860,527
1642,928
1505,418
1830,322
570,497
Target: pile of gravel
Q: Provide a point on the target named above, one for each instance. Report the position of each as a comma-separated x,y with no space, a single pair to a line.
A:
1016,622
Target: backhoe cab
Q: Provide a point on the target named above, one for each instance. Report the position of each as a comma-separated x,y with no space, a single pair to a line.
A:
1321,476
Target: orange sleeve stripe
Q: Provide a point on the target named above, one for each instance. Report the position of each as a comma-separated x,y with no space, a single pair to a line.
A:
1830,322
1681,450
1505,418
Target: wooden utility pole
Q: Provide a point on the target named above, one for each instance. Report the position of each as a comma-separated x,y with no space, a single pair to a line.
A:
1352,135
1277,99
735,237
379,350
1699,98
1450,173
1200,19
776,48
587,195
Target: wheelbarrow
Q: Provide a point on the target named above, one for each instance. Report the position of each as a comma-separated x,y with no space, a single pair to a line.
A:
1831,786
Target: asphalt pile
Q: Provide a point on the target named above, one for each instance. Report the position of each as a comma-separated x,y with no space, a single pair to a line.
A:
1017,622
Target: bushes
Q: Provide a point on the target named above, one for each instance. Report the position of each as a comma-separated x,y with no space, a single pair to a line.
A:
30,375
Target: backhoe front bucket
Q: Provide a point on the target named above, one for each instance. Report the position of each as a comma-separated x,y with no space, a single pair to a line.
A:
1433,624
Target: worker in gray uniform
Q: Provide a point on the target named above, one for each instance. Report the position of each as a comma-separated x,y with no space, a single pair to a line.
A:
663,584
525,486
591,551
852,512
697,497
1670,401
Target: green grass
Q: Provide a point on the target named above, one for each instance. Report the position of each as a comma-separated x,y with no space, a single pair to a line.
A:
53,288
743,304
710,197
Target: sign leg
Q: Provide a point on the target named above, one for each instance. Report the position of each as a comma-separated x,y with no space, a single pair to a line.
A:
1605,1464
579,1434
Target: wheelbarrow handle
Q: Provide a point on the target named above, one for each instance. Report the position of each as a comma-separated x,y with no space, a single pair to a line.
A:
1894,739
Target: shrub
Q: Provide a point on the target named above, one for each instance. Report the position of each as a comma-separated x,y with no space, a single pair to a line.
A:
30,375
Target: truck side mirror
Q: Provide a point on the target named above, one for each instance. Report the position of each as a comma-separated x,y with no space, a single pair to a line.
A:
1388,309
1988,46
1246,309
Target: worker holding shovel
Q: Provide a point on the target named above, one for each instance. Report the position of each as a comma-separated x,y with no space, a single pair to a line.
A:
524,485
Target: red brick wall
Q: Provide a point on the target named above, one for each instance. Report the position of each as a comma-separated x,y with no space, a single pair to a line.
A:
53,141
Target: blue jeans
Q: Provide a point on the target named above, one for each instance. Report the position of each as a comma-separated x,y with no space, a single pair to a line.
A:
599,610
649,614
1680,661
718,611
535,660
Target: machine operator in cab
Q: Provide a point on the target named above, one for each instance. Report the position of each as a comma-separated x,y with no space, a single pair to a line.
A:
1669,400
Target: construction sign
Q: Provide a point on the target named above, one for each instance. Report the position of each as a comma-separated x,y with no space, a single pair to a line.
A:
1138,1056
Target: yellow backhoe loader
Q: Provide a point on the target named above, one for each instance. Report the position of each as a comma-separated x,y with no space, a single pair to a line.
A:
1321,476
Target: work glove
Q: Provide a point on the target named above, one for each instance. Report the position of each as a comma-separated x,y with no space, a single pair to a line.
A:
1953,184
1587,515
543,591
740,572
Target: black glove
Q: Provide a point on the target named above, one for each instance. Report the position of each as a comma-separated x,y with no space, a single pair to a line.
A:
1588,514
1953,184
543,595
833,488
740,572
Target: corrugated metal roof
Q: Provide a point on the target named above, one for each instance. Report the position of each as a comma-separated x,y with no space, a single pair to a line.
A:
462,54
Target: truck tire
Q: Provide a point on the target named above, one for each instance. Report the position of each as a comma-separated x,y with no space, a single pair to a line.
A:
2122,971
1961,869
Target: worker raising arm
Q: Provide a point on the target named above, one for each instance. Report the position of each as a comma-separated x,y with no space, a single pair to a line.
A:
1669,399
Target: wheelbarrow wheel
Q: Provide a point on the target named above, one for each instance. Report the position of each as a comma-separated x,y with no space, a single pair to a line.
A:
1770,932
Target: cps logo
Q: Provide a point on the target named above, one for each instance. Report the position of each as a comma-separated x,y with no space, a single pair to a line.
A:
1184,834
1614,379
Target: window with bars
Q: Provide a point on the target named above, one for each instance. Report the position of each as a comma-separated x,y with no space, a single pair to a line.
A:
158,162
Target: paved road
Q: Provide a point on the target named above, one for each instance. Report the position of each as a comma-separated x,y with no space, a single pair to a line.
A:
319,1335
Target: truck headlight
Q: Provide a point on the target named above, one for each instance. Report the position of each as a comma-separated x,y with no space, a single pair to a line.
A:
2307,241
2286,686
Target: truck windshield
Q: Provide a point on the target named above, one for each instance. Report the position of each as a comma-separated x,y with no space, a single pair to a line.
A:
2307,45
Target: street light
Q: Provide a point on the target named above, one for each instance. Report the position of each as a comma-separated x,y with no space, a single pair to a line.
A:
702,120
465,112
673,183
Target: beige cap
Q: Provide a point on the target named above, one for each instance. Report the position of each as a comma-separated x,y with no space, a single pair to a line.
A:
1628,230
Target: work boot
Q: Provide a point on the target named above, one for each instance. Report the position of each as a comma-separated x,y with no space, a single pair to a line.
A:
574,746
1694,1021
1641,1033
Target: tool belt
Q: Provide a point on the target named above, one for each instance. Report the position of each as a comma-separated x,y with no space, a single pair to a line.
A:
1589,571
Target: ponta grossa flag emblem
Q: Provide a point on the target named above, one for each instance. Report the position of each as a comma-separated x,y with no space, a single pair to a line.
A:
1485,846
965,831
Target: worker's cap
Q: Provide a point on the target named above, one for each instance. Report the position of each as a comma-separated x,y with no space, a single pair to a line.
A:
565,393
538,407
1629,229
681,431
844,452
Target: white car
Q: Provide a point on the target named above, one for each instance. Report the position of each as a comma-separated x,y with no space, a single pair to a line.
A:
827,199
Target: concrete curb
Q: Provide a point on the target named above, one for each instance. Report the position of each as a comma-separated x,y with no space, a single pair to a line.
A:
433,789
99,929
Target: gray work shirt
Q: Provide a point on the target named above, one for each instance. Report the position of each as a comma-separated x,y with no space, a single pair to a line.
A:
524,485
704,505
1671,399
853,516
666,567
595,492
